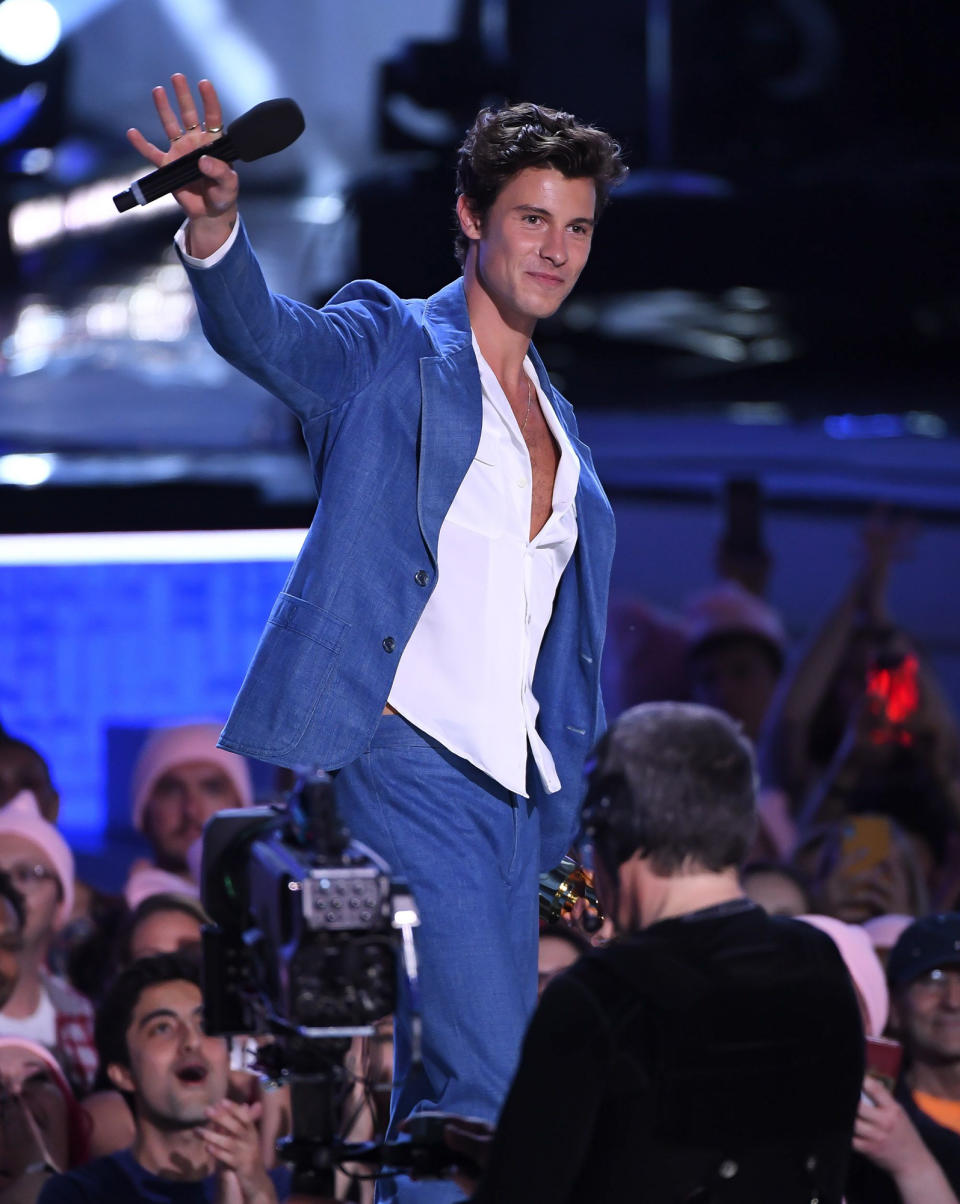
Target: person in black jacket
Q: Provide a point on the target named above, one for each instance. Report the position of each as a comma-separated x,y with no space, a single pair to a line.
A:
713,1053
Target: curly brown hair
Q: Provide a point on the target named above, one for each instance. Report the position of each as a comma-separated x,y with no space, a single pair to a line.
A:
503,142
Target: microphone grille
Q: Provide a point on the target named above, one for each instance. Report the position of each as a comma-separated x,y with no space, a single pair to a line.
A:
268,127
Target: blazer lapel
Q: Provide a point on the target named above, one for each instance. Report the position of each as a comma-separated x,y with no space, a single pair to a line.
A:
451,412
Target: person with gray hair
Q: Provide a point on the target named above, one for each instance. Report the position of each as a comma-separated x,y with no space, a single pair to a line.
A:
712,1052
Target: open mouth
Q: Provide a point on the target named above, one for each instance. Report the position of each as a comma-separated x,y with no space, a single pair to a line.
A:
192,1073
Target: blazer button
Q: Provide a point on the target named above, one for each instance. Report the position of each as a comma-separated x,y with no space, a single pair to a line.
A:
389,644
421,577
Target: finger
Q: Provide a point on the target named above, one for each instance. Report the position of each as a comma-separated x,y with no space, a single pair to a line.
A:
243,1111
225,1143
230,1127
147,149
189,116
168,119
221,1146
215,169
877,1090
867,1129
216,1137
212,112
232,1117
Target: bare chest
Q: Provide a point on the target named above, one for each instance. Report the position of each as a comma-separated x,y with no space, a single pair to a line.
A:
544,459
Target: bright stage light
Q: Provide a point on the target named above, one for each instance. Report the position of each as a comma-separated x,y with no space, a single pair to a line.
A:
29,30
25,470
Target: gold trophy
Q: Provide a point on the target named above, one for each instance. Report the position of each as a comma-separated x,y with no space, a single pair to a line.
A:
561,887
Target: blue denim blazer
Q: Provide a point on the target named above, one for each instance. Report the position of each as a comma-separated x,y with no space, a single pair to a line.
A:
388,395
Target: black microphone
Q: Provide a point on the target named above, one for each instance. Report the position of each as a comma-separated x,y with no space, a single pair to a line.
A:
263,130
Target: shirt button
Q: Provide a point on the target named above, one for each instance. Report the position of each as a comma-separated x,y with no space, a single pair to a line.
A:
421,577
389,644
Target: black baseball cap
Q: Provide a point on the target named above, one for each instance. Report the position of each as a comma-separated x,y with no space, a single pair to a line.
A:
928,943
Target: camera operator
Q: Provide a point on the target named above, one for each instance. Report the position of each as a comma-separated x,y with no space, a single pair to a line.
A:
713,1053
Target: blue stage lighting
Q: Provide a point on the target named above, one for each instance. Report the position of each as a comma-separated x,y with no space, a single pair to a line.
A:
18,111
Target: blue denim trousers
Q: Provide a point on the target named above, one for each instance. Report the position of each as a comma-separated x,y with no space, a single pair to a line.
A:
469,850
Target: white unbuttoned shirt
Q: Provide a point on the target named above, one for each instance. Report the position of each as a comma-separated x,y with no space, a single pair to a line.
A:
466,674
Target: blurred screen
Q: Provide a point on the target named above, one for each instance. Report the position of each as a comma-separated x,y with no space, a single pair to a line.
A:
104,636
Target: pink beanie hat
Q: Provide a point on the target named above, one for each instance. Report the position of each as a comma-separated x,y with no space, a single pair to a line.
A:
42,1054
863,965
147,880
170,746
728,608
21,817
884,931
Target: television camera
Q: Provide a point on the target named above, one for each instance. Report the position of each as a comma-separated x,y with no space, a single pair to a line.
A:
309,929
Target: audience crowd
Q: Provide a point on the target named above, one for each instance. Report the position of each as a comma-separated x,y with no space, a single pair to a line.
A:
858,834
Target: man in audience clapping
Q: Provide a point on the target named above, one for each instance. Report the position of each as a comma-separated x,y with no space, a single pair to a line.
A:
192,1144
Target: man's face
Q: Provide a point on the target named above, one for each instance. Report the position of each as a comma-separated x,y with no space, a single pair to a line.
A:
180,804
11,943
175,1070
928,1013
35,877
533,243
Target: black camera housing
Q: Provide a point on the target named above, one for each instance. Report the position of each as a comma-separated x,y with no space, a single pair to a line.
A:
303,937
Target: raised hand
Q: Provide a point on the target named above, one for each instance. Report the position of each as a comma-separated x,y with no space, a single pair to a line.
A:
211,202
885,538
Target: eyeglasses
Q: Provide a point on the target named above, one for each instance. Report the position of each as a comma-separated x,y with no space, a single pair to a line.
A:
27,877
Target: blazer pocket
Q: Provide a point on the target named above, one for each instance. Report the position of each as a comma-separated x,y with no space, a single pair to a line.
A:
298,651
299,615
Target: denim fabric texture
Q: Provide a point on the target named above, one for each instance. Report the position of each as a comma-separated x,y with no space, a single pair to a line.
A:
467,848
388,394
